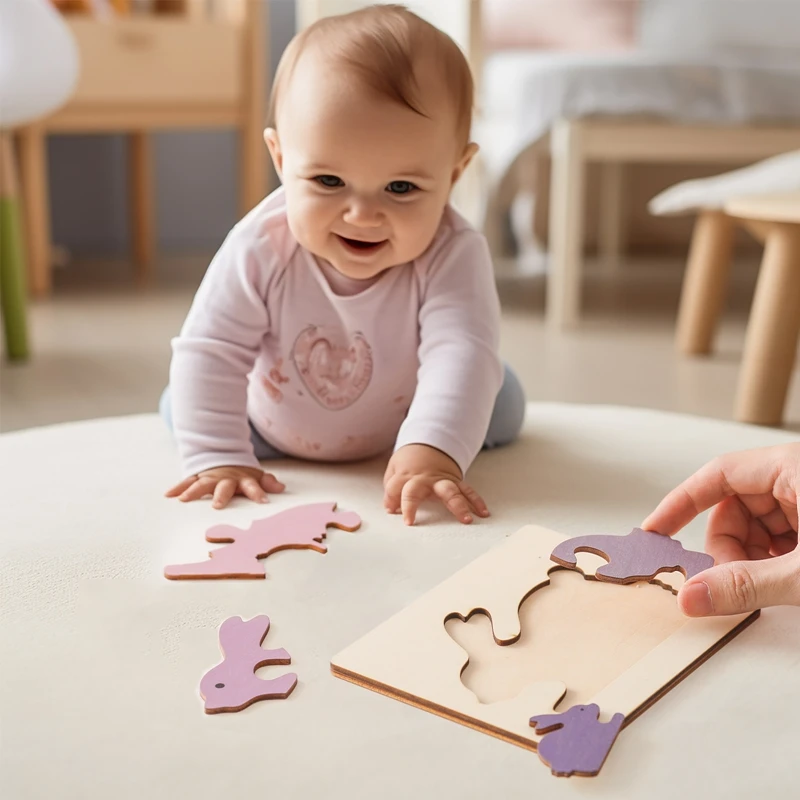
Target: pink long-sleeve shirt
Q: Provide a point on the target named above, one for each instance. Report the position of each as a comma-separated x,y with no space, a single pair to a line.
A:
331,368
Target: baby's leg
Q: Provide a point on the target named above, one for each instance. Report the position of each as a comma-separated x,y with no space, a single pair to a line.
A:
263,450
509,412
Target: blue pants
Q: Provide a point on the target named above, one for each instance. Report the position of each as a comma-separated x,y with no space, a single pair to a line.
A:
504,426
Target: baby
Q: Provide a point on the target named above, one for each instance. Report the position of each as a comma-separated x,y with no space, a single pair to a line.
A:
353,310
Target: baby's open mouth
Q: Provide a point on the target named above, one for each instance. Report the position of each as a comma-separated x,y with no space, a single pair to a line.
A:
359,244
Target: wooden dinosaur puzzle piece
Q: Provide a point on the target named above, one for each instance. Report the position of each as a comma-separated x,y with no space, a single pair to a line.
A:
639,556
233,685
575,741
303,527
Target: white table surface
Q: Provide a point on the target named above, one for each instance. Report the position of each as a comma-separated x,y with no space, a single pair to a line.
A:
101,657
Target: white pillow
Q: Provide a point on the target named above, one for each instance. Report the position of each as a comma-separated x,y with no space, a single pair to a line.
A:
747,27
777,174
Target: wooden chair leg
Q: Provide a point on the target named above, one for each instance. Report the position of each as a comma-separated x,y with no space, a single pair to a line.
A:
771,342
141,203
705,282
610,234
36,208
12,263
567,205
252,150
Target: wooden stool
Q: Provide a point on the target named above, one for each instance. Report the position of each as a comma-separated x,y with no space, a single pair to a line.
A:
774,325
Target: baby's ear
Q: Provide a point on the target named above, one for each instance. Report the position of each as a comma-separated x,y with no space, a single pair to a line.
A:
463,162
274,147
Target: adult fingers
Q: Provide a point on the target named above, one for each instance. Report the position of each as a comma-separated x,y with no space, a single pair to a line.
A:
751,472
781,545
453,498
742,586
225,490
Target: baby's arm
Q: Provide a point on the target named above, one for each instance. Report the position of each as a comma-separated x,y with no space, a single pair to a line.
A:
212,357
459,377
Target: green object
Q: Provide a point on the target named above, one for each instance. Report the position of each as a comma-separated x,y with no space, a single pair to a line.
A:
12,280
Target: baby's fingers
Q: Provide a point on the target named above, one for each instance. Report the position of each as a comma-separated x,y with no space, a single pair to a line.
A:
225,490
181,487
200,488
269,483
475,500
251,488
392,493
452,497
413,493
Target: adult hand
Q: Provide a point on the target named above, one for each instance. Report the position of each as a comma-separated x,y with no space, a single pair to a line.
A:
751,533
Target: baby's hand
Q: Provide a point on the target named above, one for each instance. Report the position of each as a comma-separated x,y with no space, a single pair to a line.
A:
415,472
225,482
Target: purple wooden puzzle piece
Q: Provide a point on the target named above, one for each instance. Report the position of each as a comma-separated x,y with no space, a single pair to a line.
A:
640,555
575,741
233,685
303,527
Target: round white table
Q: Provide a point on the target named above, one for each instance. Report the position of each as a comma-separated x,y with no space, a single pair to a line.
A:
101,657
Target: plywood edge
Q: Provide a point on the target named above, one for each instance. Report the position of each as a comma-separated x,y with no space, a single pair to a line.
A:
433,708
688,670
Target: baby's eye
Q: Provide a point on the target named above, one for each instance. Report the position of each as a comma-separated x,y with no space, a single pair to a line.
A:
401,187
329,181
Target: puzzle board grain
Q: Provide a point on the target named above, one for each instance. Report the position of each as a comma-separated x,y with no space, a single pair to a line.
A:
639,644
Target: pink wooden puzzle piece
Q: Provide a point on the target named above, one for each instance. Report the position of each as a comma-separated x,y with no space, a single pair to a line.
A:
233,685
639,556
576,742
303,527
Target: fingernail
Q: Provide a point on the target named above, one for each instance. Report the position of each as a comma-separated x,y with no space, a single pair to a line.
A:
695,600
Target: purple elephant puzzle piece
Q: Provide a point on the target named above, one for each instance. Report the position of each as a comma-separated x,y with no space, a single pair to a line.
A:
640,555
575,741
233,685
302,527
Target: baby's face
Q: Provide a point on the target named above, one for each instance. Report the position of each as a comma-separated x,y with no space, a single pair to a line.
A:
366,179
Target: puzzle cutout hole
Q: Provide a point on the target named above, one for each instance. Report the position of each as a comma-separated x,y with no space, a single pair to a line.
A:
582,632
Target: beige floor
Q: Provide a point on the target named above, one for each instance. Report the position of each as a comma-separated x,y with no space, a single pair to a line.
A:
102,347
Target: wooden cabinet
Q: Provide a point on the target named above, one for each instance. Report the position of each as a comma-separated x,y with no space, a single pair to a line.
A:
203,66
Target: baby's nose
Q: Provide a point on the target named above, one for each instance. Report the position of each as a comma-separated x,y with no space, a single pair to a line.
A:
363,214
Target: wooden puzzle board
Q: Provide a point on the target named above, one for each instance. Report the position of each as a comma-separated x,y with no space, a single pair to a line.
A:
565,640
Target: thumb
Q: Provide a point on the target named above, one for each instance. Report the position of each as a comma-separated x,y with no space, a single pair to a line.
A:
741,586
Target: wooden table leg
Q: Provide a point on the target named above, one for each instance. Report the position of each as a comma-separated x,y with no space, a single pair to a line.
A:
567,208
36,208
12,263
771,343
142,202
611,217
705,283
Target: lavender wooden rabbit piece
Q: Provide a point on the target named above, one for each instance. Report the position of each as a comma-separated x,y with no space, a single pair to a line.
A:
575,741
640,555
297,528
233,685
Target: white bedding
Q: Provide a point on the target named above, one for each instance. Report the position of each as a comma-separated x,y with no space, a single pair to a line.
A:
524,93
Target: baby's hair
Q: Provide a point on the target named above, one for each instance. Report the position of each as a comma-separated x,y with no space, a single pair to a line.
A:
381,43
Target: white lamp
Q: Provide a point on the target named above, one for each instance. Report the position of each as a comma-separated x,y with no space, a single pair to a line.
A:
38,61
38,72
